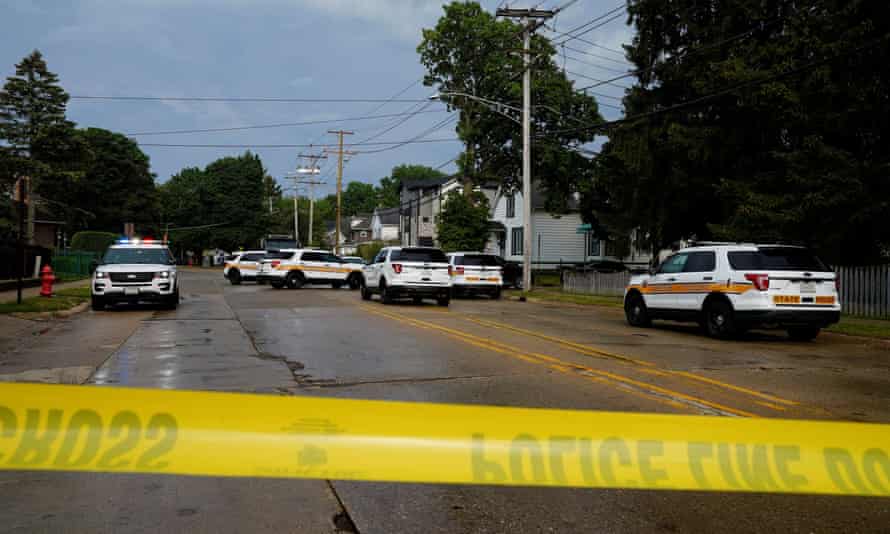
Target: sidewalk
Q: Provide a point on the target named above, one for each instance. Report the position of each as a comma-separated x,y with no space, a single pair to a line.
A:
10,296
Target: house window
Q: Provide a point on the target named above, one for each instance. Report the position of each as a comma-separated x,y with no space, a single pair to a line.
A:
593,244
516,241
511,206
363,234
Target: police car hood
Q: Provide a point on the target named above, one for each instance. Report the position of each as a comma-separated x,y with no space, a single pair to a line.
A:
639,278
133,268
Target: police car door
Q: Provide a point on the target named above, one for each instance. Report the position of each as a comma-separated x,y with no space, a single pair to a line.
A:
661,286
313,265
695,280
249,263
372,270
336,267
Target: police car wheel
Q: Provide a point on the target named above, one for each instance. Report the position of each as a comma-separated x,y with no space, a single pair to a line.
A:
496,295
719,319
354,281
336,285
98,303
235,277
385,294
635,311
366,293
295,280
443,301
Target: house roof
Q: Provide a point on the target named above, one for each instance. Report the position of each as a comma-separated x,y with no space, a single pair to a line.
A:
388,215
424,183
360,222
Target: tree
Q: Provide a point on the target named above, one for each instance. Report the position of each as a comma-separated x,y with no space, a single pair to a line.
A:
796,154
358,197
117,185
463,222
471,52
388,191
271,190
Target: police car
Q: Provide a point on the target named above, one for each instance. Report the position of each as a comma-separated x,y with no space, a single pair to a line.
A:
412,272
243,266
135,270
295,268
729,288
475,273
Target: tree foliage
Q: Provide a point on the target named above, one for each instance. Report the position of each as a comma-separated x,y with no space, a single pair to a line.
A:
358,197
800,157
463,222
471,52
388,191
92,241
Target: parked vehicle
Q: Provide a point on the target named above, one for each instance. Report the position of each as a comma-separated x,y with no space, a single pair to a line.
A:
729,288
475,273
511,272
411,272
295,268
356,264
243,266
134,270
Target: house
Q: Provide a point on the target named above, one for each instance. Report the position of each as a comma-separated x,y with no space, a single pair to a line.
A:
556,238
385,224
421,203
358,229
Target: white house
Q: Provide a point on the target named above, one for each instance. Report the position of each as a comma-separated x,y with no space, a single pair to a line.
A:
556,238
385,224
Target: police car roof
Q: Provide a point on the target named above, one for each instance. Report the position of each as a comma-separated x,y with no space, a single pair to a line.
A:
140,245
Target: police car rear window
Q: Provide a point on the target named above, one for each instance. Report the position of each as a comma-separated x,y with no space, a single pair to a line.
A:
776,259
482,260
427,255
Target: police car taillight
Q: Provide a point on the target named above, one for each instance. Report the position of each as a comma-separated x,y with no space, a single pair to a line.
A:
397,268
760,281
275,264
458,270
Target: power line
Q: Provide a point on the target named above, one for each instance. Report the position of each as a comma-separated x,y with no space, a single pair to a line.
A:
244,99
591,54
594,65
248,146
279,125
572,35
418,138
601,82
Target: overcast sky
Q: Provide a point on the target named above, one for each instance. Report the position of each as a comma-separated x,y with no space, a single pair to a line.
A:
349,49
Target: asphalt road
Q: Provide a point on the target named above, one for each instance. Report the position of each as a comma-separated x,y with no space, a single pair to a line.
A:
326,342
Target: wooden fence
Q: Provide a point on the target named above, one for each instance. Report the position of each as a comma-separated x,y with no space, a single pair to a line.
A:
592,283
865,291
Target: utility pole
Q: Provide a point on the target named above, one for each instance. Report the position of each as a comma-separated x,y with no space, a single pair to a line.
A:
340,154
21,197
532,19
312,169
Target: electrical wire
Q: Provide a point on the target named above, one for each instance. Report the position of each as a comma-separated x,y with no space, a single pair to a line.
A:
418,138
591,54
244,99
248,146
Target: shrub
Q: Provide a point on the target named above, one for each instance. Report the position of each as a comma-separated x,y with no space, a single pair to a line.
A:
369,250
92,241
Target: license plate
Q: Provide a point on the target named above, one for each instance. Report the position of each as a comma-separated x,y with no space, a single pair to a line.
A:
131,291
808,287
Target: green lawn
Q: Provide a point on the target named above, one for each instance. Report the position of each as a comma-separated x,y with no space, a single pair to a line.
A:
63,299
857,326
555,295
547,279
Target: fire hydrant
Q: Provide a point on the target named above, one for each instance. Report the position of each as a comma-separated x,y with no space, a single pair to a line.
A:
47,279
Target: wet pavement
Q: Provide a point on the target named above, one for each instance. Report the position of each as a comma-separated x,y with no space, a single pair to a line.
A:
326,342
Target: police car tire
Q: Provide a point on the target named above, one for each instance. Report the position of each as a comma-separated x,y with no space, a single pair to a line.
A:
366,293
635,311
235,277
336,285
295,280
443,301
97,303
385,295
496,295
354,281
719,320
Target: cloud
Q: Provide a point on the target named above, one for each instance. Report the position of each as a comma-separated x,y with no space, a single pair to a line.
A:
301,81
402,18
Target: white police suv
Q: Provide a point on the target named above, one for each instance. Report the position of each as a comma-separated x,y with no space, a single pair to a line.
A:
729,288
475,273
134,270
243,266
295,268
412,272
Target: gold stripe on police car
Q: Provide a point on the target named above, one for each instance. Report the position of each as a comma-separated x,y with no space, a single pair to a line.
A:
84,428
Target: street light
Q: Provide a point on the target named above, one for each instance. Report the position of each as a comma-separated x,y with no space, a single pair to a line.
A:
499,107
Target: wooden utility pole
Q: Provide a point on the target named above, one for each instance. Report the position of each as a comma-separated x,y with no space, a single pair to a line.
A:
340,153
21,198
532,19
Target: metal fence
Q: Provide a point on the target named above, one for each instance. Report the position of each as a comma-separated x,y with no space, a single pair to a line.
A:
865,291
74,262
593,283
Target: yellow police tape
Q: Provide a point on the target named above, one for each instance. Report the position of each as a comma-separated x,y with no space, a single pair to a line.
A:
77,428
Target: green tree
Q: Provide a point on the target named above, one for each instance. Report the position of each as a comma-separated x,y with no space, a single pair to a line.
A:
797,157
358,197
388,191
271,190
117,185
471,52
463,222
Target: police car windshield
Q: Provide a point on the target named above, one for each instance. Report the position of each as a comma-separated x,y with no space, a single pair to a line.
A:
482,260
777,259
146,256
419,254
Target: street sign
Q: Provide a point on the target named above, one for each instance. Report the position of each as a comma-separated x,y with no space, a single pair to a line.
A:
584,229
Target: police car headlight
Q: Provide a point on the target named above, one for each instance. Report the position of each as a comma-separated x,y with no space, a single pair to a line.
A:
100,274
164,274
